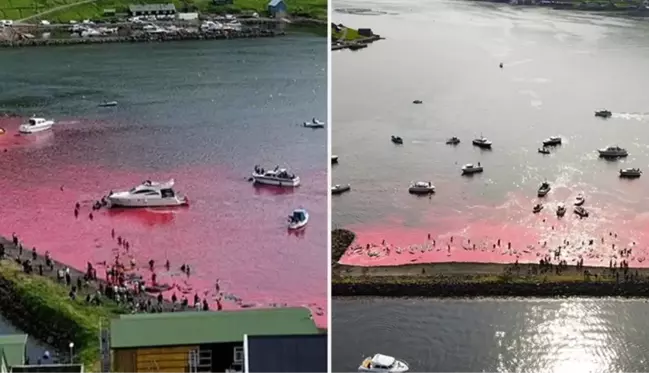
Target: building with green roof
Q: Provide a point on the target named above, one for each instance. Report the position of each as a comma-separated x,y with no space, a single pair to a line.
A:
13,349
198,341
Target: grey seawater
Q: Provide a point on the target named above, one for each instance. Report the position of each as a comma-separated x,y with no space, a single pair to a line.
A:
493,335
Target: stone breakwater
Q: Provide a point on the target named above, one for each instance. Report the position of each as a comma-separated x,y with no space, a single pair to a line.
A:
391,287
140,38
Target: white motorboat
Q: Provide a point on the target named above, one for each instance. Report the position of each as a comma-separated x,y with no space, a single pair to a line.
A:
630,172
277,176
108,104
422,187
482,142
579,200
613,152
339,189
544,189
561,209
148,194
383,364
34,125
470,168
314,124
552,141
299,219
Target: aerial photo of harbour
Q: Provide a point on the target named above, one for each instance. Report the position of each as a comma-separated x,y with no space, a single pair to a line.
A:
185,123
488,149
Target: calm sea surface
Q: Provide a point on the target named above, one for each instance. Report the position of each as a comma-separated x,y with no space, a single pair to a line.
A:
567,336
559,67
203,113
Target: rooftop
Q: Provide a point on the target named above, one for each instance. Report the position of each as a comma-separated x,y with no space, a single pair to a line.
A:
275,2
13,348
193,328
151,7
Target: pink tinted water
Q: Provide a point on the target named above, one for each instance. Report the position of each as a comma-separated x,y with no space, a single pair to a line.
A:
231,230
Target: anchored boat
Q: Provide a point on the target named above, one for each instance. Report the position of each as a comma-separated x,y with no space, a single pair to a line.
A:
34,125
383,364
298,219
277,176
148,194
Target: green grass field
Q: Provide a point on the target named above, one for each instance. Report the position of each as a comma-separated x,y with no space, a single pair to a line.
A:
18,9
352,34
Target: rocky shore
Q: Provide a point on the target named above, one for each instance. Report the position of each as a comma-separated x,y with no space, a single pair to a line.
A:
141,38
480,279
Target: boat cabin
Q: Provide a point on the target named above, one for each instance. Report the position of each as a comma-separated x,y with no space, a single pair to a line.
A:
298,215
381,362
35,121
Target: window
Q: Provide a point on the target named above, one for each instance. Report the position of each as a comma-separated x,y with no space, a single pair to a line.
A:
238,354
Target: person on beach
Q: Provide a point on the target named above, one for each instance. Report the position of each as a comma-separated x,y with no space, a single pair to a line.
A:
34,256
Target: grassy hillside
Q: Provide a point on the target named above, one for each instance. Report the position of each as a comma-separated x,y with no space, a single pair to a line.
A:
18,9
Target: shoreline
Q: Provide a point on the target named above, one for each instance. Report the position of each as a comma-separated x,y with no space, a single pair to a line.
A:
631,10
459,279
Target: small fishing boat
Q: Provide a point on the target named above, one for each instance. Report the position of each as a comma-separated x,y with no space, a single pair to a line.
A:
108,104
314,124
422,187
339,189
482,142
552,141
397,140
544,151
561,210
383,364
537,208
612,152
299,219
544,189
579,200
470,168
603,114
453,141
418,102
630,172
334,159
34,125
277,176
581,211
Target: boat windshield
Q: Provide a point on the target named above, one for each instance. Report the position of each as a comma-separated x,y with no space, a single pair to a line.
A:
32,122
167,193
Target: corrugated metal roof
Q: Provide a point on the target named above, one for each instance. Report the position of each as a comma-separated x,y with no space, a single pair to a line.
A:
151,7
192,327
13,348
275,2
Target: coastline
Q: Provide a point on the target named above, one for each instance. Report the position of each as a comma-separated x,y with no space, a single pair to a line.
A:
456,279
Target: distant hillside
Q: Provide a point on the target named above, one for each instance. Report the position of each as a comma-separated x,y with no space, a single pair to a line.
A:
89,9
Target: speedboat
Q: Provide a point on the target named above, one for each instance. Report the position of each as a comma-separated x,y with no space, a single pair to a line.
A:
334,159
2,131
470,168
34,125
579,200
552,141
383,364
277,176
418,102
544,189
603,114
299,219
482,142
108,104
339,189
537,208
397,140
148,194
561,210
613,152
453,141
581,211
422,187
544,151
630,172
314,124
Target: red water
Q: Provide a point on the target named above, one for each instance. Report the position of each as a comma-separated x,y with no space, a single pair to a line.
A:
231,231
453,234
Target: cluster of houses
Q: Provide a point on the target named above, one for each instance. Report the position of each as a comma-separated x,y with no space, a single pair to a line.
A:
252,340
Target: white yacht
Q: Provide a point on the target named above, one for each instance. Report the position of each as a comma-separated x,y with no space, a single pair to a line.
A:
482,142
299,219
470,168
613,151
277,176
34,125
383,364
422,187
630,172
148,194
552,140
